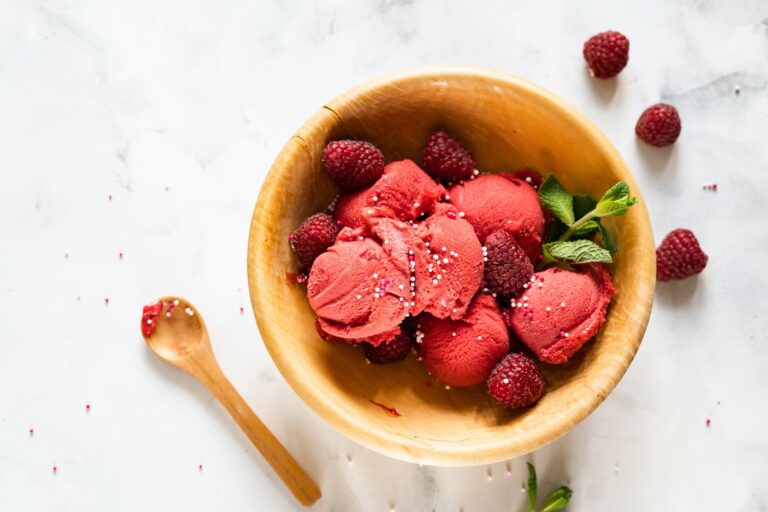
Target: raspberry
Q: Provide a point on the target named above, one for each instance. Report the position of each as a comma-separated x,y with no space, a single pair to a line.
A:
606,54
445,158
314,237
391,351
507,268
679,256
659,125
516,381
353,164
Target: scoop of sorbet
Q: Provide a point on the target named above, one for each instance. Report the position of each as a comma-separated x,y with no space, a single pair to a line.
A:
404,189
463,352
561,310
491,202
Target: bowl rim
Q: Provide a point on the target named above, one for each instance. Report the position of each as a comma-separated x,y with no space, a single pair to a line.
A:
383,441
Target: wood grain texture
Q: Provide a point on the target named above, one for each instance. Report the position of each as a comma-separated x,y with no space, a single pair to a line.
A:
509,124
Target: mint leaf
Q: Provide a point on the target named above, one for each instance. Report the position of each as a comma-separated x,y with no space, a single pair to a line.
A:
615,201
554,197
531,487
582,205
556,230
576,251
586,228
607,239
557,500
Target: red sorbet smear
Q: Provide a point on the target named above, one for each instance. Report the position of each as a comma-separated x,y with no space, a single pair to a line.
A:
390,410
492,202
149,318
404,189
555,335
455,264
349,270
466,359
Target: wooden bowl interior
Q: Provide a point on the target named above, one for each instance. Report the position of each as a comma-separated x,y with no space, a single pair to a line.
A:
509,124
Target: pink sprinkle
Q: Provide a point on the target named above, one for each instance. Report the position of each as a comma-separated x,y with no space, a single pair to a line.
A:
31,431
109,197
87,407
709,422
200,467
120,255
106,300
55,469
242,310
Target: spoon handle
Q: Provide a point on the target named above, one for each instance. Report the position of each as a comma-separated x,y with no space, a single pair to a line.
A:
295,478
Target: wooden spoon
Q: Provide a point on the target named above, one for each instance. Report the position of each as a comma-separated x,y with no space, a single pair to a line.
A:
182,340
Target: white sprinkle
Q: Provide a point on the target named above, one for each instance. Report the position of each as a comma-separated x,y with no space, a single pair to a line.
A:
447,197
375,198
505,381
525,286
149,321
400,286
410,252
525,297
359,296
549,308
566,335
189,312
377,289
454,310
453,334
447,387
416,204
444,249
533,278
426,243
480,338
386,242
375,276
493,295
475,172
525,304
562,304
461,214
528,179
168,314
176,302
435,257
540,285
375,295
413,303
434,281
519,304
370,211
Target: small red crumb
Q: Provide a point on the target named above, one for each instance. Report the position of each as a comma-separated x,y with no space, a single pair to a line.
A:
242,310
710,186
106,300
120,255
87,407
55,469
109,197
149,317
31,431
390,410
709,422
200,467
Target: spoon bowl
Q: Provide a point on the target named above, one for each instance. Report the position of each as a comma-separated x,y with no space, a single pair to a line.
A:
179,334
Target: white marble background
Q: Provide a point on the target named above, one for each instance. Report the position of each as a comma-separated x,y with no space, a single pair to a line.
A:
177,108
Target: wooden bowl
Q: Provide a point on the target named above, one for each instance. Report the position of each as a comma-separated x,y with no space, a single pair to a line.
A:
509,124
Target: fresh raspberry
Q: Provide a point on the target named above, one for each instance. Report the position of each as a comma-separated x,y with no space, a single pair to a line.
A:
445,158
391,351
516,381
606,54
679,256
507,268
353,164
314,237
659,125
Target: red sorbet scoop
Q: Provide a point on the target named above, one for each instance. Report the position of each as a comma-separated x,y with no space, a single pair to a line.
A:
561,310
463,352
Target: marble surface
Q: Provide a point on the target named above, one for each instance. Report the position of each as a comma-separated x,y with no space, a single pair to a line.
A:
175,110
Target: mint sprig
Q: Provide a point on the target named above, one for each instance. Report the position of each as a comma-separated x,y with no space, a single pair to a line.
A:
557,500
578,218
